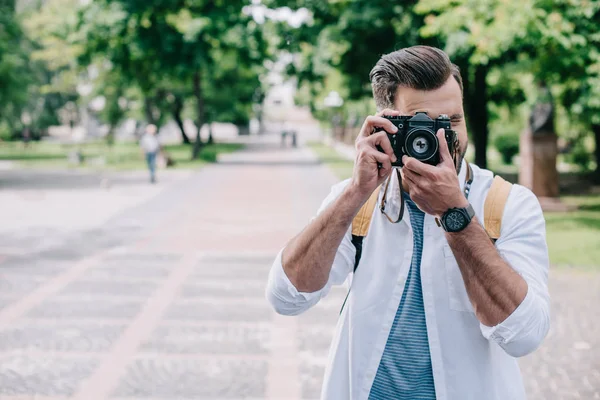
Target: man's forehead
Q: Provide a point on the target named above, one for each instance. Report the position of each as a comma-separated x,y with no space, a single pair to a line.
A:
444,100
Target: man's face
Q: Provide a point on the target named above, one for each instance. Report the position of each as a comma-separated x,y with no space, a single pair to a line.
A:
445,100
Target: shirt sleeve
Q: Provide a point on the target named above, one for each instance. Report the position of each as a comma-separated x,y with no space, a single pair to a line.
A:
522,244
283,295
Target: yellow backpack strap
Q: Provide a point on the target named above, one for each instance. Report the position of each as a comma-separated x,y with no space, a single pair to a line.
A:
362,221
493,208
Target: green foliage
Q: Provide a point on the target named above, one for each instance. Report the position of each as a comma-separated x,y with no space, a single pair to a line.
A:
207,54
14,67
508,146
580,153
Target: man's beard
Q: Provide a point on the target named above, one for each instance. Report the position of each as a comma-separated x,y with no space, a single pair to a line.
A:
458,159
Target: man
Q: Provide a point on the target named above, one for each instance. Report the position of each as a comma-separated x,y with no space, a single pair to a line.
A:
150,146
430,314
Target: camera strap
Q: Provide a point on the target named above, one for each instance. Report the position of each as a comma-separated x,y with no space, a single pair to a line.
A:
382,206
384,198
468,180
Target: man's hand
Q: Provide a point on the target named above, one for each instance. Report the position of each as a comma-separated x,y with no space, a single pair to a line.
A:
367,175
434,189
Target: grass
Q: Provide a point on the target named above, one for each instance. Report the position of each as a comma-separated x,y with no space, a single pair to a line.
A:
122,156
573,237
342,167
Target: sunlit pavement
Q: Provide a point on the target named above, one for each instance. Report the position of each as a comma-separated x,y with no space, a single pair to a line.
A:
157,292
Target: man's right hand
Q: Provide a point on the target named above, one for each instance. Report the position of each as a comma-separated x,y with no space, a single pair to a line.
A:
367,175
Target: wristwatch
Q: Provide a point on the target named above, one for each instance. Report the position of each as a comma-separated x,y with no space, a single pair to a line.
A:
457,219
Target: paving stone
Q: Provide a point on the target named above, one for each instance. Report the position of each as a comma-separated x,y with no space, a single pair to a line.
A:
315,338
567,365
224,288
218,311
311,380
31,266
193,379
128,271
6,300
41,375
235,270
87,309
143,258
229,339
244,259
92,288
321,314
60,337
19,284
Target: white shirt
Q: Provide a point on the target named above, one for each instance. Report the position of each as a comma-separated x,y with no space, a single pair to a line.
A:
149,143
469,360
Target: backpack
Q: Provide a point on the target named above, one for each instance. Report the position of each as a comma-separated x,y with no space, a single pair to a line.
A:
492,219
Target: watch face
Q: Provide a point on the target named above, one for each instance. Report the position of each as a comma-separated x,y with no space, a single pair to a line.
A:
455,221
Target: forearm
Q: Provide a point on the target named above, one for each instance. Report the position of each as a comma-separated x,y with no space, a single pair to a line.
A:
307,259
494,288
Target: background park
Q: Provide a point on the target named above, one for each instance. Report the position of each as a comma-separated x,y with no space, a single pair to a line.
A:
111,287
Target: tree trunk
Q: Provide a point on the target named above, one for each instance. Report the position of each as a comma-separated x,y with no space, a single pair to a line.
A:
148,110
177,108
210,134
596,130
197,81
475,101
110,136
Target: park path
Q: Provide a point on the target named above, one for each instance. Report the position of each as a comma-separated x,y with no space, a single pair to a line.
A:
165,300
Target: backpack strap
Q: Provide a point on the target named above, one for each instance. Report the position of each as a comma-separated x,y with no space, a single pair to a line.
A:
493,208
361,224
362,220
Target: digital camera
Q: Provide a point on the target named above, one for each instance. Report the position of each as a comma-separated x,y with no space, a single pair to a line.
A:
416,137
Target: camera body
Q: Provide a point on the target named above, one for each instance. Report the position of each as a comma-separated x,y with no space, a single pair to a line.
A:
416,137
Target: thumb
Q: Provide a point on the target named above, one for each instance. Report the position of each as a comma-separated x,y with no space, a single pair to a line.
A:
445,157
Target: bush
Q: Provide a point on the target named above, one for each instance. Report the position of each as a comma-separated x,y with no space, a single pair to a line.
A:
580,155
508,147
209,153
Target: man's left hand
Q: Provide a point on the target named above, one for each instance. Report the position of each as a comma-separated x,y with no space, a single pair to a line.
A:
434,189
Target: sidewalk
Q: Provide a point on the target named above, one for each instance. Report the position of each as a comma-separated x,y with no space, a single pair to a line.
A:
165,300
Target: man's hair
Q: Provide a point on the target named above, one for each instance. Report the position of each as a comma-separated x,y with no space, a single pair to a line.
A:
417,67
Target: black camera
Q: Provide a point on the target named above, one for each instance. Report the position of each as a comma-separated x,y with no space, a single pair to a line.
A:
416,137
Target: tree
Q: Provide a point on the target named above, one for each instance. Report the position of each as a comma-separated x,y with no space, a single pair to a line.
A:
53,67
556,42
348,36
156,44
14,65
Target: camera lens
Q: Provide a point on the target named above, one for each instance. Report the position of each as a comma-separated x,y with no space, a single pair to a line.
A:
421,144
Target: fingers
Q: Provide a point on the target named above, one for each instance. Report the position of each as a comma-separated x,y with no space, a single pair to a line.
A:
380,139
378,158
445,156
409,177
418,167
388,111
372,122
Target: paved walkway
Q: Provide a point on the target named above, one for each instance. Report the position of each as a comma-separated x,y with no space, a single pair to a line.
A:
164,299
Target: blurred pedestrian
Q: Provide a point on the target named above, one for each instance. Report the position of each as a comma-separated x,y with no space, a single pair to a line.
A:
150,146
